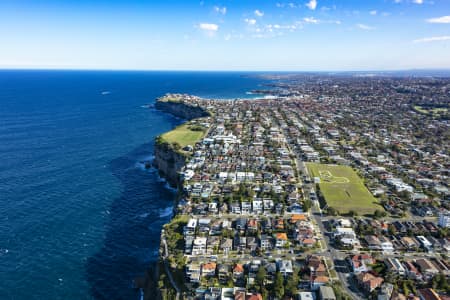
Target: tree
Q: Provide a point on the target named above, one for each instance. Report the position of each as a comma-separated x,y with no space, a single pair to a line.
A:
278,287
264,293
292,284
261,276
379,214
352,213
307,205
392,230
332,211
405,288
176,146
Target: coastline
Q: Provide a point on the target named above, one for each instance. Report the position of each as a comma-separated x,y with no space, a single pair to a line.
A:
168,161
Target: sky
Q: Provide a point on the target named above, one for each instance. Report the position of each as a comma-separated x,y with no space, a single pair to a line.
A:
251,35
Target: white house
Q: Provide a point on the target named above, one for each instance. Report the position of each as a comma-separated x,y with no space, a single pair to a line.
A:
444,219
199,246
386,244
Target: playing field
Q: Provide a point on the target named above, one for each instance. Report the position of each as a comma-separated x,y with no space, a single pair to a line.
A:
183,135
343,189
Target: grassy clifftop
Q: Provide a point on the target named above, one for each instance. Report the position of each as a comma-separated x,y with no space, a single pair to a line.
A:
183,135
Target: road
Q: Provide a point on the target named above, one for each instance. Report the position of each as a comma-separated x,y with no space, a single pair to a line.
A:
336,257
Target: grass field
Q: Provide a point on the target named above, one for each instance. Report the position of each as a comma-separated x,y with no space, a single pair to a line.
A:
343,189
183,135
434,111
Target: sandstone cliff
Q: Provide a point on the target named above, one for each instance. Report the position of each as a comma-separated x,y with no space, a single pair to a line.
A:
169,162
181,110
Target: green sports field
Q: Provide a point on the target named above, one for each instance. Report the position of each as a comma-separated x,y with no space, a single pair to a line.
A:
343,189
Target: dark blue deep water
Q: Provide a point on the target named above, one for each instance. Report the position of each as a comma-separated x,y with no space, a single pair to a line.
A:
80,216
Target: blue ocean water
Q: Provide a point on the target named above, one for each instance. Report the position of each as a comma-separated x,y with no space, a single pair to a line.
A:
80,216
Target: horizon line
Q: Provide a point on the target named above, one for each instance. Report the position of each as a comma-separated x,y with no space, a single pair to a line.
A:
223,70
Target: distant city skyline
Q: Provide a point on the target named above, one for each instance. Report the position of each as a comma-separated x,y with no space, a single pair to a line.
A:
307,35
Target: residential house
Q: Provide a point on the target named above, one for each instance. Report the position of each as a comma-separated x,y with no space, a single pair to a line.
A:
246,208
193,271
252,225
394,265
265,242
426,268
235,208
444,219
326,293
386,244
411,271
241,224
257,206
409,243
213,208
285,267
212,244
281,240
428,294
209,269
204,225
268,205
307,242
189,229
271,270
373,242
360,263
252,243
238,272
223,271
318,272
226,245
318,281
368,281
213,293
199,246
240,243
306,296
188,241
254,296
424,242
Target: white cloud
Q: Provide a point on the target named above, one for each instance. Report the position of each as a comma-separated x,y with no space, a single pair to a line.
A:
440,20
310,20
250,21
312,4
259,13
365,27
220,10
433,39
373,12
418,1
397,1
208,27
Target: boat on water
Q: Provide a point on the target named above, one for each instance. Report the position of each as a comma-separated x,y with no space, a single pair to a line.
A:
148,106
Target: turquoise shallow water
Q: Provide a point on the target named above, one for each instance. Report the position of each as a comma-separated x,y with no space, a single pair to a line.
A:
80,216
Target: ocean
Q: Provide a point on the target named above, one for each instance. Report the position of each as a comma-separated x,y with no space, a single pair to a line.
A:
80,216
